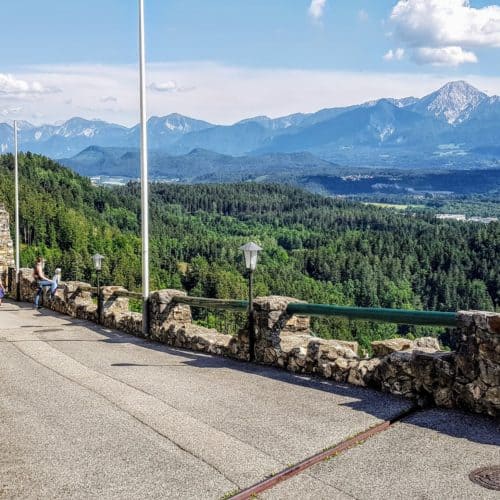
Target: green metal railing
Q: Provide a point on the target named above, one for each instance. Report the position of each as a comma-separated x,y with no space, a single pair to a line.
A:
227,305
400,316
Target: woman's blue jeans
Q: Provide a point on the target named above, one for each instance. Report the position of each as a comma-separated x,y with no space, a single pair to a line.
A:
41,284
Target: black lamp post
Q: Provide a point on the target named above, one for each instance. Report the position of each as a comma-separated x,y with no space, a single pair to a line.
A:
251,251
97,258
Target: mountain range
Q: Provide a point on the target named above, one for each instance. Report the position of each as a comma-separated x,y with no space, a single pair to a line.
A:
452,127
300,169
199,165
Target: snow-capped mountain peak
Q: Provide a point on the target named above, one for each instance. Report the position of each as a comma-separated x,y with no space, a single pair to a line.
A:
452,103
24,125
456,113
177,123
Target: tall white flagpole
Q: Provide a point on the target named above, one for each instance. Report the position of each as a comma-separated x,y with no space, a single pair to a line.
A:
16,202
144,175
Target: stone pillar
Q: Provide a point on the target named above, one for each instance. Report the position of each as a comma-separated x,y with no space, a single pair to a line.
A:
26,283
164,313
272,321
11,280
113,307
477,359
6,245
75,299
115,312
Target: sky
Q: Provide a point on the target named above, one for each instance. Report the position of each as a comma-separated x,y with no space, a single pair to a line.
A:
225,60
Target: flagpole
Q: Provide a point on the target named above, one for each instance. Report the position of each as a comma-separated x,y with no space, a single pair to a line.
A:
16,202
144,175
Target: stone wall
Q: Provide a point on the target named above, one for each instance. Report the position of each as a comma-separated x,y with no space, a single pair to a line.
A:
6,245
466,378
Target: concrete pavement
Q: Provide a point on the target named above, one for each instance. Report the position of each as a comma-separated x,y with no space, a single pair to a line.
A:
428,455
89,412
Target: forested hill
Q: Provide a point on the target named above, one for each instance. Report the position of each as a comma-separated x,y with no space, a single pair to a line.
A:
318,249
67,220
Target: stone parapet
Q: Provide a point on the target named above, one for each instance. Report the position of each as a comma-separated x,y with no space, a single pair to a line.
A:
477,361
164,312
468,377
272,322
6,245
171,323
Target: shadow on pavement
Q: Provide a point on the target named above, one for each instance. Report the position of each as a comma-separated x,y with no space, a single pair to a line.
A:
476,428
458,424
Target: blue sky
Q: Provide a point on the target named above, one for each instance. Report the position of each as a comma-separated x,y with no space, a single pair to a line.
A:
64,58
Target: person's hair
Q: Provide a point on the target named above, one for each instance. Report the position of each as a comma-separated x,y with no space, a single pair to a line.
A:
39,259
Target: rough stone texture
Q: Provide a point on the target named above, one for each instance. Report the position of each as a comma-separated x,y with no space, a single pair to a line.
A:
271,323
384,347
163,311
115,310
466,378
6,246
477,359
171,324
427,343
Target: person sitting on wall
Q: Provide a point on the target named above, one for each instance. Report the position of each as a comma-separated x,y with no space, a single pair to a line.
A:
57,276
42,281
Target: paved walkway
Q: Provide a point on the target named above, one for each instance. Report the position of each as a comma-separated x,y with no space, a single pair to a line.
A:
88,412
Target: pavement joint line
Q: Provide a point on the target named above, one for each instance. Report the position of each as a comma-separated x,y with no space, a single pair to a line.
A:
117,406
358,439
335,487
156,431
47,341
175,408
294,470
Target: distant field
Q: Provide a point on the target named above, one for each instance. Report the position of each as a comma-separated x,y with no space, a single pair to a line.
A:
392,205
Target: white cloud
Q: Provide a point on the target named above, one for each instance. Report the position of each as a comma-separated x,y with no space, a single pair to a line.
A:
316,9
11,86
396,55
444,31
443,56
168,86
221,94
108,98
9,111
363,15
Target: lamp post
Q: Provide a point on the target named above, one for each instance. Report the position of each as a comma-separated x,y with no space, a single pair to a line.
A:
144,174
251,251
16,202
97,258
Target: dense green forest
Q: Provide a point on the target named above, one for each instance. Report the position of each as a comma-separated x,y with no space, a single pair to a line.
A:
319,249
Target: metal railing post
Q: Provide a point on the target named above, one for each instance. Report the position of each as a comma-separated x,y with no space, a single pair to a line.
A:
146,316
251,318
99,300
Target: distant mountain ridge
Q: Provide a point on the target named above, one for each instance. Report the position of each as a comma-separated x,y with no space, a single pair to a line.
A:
299,169
439,128
199,165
